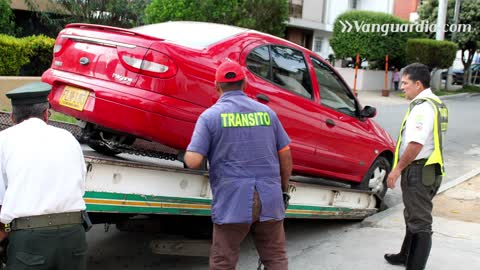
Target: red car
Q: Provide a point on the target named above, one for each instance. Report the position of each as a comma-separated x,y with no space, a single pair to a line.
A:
152,82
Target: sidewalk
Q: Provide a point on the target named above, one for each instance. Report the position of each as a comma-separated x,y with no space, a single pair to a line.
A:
456,238
375,98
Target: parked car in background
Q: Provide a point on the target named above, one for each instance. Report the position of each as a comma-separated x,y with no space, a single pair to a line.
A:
152,82
457,75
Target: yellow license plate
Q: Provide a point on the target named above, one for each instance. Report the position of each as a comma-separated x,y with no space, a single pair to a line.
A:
74,98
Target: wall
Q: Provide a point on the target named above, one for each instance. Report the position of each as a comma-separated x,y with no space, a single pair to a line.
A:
385,6
403,8
313,10
9,83
366,79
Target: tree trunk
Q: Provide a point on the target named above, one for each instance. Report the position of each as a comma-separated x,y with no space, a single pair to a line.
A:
466,65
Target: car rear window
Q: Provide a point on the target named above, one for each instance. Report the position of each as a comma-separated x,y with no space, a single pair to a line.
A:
196,35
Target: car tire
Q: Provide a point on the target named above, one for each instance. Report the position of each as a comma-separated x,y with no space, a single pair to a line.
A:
103,149
375,180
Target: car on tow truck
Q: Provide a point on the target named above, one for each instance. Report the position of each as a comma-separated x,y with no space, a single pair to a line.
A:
152,82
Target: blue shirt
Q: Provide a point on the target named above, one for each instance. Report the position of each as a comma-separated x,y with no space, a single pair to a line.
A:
241,138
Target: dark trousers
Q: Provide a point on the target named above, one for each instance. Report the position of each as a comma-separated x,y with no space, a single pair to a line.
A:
395,85
269,238
419,186
53,248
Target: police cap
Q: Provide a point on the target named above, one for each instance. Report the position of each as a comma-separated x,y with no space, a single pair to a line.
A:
31,93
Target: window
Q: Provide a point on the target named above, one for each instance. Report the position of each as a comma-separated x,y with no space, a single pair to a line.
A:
317,44
197,35
258,62
289,71
333,92
283,66
353,4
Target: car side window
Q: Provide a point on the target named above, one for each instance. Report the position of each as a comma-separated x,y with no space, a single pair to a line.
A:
333,92
258,62
289,70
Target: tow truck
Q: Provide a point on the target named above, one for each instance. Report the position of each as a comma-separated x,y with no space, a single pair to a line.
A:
141,183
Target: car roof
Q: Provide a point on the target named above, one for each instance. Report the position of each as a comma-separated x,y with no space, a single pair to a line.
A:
198,35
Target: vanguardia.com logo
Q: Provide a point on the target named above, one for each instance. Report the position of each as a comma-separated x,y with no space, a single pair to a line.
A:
422,26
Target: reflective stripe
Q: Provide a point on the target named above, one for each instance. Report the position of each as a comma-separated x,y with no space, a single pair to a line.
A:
440,125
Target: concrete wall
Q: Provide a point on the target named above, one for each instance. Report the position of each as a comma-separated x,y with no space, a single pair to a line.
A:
313,10
8,83
366,79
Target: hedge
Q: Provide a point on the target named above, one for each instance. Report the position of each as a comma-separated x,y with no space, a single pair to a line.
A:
14,53
433,53
42,54
28,56
371,43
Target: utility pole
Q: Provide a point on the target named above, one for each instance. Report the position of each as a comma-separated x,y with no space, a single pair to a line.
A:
441,19
456,15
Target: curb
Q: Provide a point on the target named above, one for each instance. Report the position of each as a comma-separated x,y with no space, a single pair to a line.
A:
454,96
372,220
459,180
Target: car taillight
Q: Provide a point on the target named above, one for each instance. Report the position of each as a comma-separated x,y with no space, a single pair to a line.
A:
59,44
147,62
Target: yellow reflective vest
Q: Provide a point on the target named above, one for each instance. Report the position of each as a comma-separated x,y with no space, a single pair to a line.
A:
440,125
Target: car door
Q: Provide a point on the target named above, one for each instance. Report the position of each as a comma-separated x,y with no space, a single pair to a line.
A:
278,76
347,141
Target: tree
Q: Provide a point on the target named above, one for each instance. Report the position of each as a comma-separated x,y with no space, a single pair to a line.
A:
7,25
371,45
268,16
119,13
433,53
467,40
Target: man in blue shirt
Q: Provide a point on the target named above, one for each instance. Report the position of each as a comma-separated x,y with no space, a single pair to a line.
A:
250,166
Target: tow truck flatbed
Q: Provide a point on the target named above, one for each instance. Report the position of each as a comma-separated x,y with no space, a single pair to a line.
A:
135,185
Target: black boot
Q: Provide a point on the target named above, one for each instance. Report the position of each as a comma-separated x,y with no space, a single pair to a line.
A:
401,258
420,250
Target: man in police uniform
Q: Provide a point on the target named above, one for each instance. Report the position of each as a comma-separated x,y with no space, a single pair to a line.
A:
419,161
250,167
42,182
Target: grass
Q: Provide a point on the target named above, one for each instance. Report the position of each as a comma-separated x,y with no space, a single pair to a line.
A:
56,116
443,92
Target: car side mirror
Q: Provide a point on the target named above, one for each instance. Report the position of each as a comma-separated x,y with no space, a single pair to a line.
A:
368,112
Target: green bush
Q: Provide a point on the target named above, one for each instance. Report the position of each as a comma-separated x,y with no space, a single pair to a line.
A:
41,56
13,55
433,53
371,45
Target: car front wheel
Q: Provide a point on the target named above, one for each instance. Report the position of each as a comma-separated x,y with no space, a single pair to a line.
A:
375,180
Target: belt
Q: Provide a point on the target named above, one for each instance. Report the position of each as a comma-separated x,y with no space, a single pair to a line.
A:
419,162
44,221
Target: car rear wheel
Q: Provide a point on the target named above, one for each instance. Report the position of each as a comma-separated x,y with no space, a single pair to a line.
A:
375,180
105,142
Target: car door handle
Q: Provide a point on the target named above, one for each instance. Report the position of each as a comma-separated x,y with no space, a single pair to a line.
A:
330,122
263,97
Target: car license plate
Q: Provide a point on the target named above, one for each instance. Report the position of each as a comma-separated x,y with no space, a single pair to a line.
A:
74,98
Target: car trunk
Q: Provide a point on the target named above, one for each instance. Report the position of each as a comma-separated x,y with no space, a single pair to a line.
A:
107,53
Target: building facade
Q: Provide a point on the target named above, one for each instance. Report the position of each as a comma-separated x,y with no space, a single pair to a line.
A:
311,21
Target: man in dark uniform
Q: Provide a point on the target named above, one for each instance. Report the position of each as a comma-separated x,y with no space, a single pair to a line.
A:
250,167
42,182
419,161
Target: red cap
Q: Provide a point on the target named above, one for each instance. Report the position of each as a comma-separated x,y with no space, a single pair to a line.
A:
229,71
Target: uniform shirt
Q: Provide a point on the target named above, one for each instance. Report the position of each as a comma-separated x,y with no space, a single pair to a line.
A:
241,138
42,171
419,126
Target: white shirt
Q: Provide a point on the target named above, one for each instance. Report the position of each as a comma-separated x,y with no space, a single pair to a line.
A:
42,171
419,126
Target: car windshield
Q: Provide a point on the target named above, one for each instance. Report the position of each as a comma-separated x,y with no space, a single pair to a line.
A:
196,35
